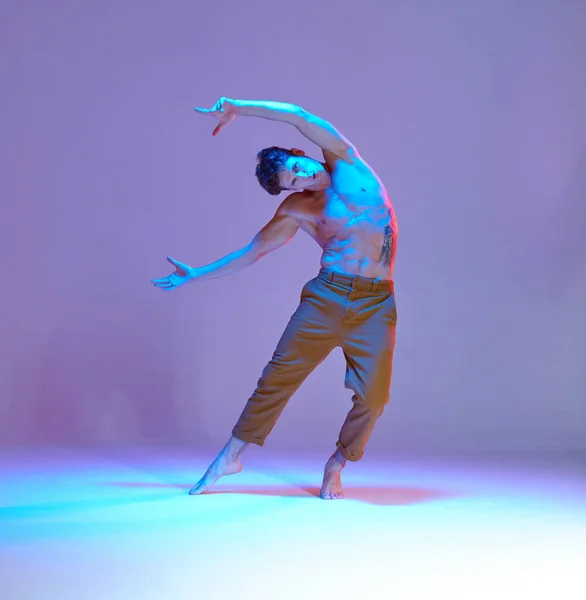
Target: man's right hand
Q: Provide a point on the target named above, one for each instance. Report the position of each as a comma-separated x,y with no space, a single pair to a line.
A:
183,273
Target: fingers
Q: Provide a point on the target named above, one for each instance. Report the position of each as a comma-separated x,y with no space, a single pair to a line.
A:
171,281
217,111
212,111
178,264
217,107
163,283
165,287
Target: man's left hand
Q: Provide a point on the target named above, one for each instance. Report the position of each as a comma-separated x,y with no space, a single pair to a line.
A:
224,110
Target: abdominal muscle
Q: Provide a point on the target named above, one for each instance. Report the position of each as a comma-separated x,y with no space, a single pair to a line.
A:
353,256
356,247
360,241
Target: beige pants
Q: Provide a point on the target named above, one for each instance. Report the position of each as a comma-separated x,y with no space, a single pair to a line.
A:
359,315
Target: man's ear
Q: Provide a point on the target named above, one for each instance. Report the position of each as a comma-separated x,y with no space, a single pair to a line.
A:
297,152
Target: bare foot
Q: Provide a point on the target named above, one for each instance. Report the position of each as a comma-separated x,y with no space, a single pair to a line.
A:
227,462
331,488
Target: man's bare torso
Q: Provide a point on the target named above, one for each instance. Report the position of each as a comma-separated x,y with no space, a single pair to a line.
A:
353,221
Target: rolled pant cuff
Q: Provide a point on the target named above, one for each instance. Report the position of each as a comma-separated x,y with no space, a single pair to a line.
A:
347,454
247,437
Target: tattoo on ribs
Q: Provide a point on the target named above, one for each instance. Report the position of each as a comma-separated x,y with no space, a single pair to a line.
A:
385,254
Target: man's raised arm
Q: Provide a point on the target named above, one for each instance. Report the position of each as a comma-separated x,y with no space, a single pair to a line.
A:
314,128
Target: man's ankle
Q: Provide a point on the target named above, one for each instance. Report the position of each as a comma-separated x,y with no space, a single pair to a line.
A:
236,445
338,458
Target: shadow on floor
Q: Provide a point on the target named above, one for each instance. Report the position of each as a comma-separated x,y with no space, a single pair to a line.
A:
384,496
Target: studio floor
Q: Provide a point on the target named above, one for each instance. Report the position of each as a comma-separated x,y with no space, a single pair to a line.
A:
121,525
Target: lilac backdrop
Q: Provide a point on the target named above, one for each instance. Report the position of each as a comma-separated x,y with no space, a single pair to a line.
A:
471,112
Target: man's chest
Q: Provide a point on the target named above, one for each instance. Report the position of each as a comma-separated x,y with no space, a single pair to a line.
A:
353,213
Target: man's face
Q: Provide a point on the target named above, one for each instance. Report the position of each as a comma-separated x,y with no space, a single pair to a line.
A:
303,173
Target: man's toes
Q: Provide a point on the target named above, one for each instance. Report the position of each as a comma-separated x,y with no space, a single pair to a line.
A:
200,487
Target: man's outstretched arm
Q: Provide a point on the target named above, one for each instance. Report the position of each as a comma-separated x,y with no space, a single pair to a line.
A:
277,232
314,128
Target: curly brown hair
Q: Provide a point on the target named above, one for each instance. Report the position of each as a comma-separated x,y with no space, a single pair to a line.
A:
270,162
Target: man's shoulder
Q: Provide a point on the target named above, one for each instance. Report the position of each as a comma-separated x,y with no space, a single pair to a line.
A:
297,204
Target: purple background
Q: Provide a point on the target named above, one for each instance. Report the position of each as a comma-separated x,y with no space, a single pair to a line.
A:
472,113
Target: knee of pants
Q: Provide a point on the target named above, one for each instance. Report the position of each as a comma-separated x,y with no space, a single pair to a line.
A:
374,395
373,401
278,373
378,403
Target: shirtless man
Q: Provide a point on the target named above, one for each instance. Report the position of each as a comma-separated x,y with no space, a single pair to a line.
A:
342,204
